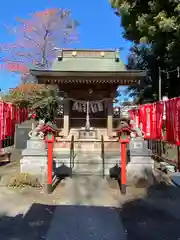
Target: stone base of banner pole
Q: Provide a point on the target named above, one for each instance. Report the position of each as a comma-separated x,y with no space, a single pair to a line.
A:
140,166
140,175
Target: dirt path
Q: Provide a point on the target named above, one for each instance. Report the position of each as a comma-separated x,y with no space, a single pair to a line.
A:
89,208
87,211
82,207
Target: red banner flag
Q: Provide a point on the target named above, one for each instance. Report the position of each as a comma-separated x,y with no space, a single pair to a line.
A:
145,114
171,120
177,121
159,119
154,121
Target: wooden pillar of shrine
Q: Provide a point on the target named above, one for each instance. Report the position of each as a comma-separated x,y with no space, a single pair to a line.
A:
66,118
110,117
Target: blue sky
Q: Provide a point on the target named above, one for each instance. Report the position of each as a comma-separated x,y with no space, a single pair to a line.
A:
99,26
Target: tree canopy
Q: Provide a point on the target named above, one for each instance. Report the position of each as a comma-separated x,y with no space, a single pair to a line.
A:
43,99
28,94
154,27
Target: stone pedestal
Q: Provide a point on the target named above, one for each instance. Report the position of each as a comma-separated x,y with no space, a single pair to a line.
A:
88,134
140,167
34,158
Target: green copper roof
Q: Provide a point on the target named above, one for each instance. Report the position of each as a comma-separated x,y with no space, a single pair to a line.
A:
88,66
88,61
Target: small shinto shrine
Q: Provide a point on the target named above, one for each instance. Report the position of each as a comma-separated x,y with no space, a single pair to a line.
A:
88,81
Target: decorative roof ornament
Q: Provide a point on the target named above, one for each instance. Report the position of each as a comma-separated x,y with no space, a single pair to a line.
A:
74,53
117,53
60,57
102,54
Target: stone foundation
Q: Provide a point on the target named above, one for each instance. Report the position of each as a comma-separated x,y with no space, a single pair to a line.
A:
140,167
140,175
34,159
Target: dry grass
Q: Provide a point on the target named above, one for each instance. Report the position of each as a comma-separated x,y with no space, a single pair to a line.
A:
23,180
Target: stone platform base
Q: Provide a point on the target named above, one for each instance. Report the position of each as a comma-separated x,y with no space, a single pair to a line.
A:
34,159
140,175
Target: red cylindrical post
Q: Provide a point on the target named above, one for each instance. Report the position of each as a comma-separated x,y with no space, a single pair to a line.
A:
123,167
50,167
49,131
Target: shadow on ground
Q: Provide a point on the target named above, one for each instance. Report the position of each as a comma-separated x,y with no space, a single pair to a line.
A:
148,218
140,220
32,226
73,222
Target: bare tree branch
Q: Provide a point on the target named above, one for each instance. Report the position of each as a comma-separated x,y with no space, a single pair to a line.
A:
36,39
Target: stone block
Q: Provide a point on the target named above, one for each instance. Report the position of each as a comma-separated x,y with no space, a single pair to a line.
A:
34,161
36,144
139,168
140,174
141,160
138,147
87,134
34,152
33,169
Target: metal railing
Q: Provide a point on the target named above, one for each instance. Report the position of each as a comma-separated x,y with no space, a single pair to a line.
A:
72,155
102,156
164,151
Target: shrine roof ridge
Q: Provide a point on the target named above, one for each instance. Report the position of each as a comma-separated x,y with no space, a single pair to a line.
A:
91,49
90,66
56,73
88,53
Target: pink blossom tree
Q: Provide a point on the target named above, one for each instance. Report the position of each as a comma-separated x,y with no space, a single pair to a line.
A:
37,40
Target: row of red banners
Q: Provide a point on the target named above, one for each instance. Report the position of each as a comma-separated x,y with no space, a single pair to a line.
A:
9,117
160,120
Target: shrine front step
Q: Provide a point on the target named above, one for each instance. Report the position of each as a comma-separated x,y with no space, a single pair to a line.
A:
88,146
85,146
92,164
85,163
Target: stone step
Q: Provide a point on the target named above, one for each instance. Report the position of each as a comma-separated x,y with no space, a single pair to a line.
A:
100,172
88,173
84,161
86,164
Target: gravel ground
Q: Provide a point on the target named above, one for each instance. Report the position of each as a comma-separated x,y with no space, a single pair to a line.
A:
145,213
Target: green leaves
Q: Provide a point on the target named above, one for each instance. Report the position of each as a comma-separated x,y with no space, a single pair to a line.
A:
165,23
148,18
155,25
35,96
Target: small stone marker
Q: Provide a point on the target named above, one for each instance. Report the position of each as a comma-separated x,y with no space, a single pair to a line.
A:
138,147
141,163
